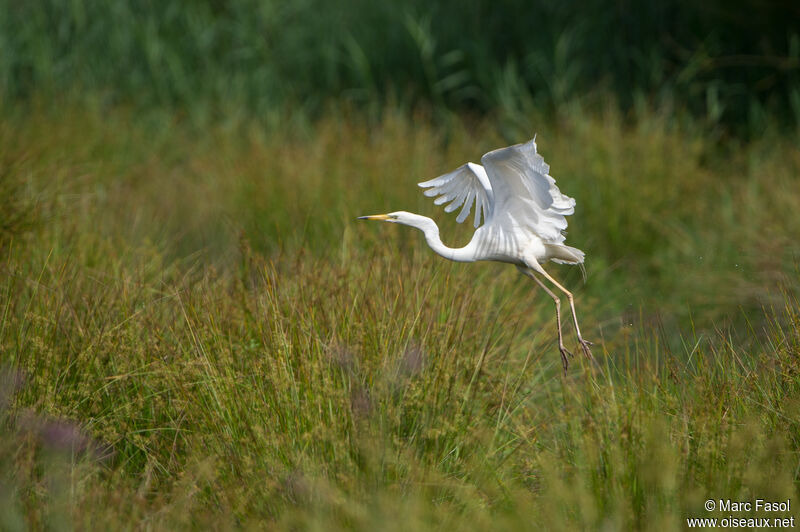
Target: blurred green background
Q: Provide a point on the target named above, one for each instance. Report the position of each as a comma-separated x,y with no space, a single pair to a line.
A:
733,63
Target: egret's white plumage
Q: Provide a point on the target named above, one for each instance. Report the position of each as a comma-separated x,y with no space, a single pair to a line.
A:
523,214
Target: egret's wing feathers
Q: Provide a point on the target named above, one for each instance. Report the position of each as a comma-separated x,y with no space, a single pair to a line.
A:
465,186
525,195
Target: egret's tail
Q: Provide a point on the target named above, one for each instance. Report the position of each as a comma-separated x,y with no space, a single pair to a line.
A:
562,254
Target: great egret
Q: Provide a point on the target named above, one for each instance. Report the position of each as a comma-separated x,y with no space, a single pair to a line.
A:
524,216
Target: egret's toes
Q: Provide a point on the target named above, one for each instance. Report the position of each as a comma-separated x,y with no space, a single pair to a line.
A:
586,351
564,360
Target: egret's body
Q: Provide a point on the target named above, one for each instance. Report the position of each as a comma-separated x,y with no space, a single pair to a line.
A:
524,215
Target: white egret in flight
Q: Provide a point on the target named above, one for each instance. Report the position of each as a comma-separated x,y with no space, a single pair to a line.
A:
524,216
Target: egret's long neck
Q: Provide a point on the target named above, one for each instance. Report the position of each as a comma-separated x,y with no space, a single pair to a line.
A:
431,231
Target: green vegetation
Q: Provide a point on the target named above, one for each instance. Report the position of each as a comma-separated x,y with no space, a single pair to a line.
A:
195,331
732,63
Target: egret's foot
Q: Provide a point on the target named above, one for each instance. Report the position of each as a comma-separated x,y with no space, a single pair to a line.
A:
585,347
564,360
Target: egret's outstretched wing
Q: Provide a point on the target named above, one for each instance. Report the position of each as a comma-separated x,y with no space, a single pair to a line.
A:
464,186
525,195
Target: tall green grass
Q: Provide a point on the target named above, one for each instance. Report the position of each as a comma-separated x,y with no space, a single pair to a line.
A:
196,331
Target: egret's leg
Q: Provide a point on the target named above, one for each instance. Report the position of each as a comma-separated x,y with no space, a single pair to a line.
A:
561,348
584,344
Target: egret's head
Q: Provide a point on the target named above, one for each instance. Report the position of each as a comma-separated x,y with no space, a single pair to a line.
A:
401,217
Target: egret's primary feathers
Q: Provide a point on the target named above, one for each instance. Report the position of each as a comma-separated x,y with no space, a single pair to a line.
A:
523,216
